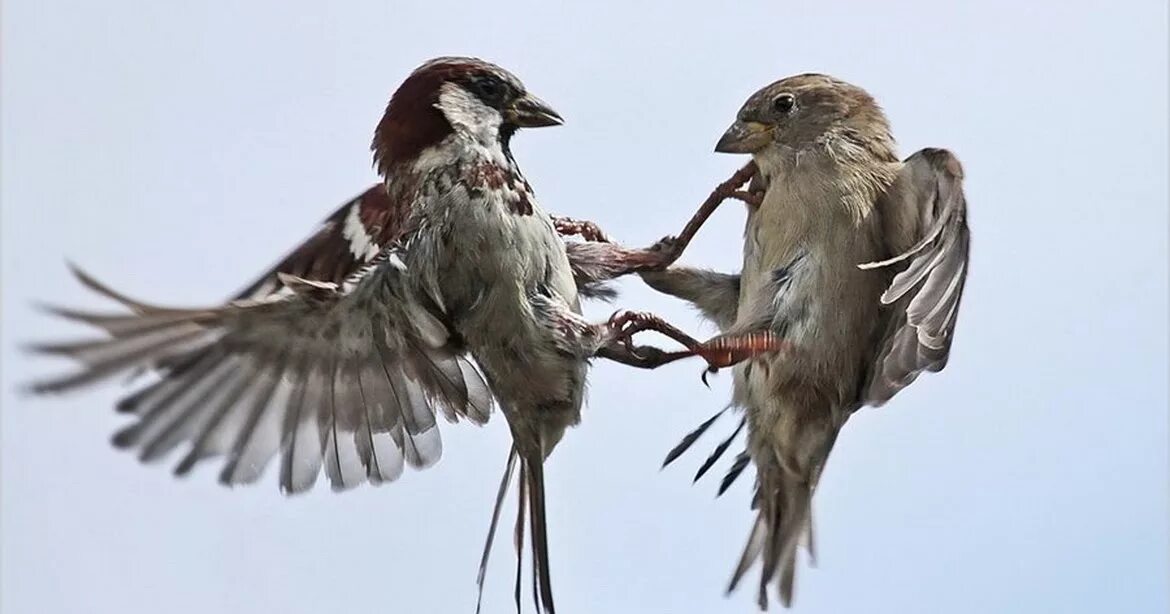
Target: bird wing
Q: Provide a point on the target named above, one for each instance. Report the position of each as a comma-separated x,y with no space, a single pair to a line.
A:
345,370
347,240
924,216
354,234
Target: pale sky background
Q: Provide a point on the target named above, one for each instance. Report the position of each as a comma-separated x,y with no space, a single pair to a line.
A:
176,149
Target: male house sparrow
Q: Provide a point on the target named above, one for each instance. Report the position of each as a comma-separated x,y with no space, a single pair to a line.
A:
343,354
854,258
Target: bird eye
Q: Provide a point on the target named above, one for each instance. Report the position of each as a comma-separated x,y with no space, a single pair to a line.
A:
487,89
784,102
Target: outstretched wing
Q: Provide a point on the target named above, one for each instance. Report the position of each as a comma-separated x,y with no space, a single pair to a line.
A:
347,240
347,374
924,216
354,234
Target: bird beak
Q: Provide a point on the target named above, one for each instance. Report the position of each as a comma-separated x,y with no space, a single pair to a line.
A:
744,137
528,111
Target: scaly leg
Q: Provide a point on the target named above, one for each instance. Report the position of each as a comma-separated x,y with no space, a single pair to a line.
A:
639,356
599,259
672,247
720,351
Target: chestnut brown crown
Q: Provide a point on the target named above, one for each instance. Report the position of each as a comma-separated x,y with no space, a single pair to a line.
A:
413,120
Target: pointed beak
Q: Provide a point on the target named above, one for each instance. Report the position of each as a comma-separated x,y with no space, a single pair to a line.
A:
744,137
528,111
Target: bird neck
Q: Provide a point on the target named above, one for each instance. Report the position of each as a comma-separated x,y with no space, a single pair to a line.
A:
846,178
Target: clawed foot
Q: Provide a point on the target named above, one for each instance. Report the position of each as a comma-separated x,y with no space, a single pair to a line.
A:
625,324
751,198
585,229
664,253
719,352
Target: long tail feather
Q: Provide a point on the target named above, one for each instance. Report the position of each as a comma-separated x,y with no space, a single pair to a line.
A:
530,517
521,516
509,469
533,467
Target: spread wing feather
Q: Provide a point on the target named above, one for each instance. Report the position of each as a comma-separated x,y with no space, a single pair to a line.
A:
926,209
327,361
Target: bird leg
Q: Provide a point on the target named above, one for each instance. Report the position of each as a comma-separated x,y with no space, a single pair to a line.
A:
570,227
672,247
623,325
599,258
751,198
720,351
639,356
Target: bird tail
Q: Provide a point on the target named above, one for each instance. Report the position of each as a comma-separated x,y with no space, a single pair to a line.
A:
530,508
783,504
781,517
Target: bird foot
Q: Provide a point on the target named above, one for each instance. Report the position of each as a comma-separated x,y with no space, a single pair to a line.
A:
753,199
590,231
719,352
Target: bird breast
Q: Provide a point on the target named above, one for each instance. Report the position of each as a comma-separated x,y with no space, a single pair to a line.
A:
799,273
485,263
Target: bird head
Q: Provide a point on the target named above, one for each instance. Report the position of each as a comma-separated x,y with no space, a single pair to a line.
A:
804,113
455,95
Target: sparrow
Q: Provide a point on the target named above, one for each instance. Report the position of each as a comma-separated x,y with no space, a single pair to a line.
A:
430,293
857,260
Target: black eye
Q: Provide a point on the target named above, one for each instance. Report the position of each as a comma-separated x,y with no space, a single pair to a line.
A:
784,103
487,89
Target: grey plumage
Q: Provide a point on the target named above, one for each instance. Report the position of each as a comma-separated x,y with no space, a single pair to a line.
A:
858,260
714,294
288,374
925,295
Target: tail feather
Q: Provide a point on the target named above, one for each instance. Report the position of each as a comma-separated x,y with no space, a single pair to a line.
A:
791,526
783,517
521,516
810,540
789,459
509,469
751,552
533,469
530,516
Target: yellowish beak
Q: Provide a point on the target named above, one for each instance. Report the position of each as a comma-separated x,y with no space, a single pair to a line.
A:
744,137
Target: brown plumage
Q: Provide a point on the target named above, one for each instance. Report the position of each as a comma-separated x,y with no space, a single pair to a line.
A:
857,260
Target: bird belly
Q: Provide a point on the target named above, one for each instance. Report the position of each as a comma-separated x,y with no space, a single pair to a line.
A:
826,309
489,287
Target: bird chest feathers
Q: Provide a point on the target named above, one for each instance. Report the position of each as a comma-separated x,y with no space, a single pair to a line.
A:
801,250
488,242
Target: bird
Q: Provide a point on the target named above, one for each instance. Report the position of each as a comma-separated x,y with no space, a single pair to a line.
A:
433,292
857,260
